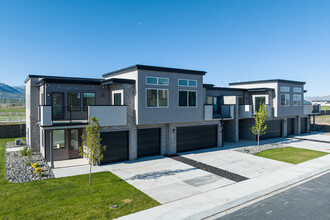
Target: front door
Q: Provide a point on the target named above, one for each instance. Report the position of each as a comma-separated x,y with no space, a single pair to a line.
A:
58,105
75,142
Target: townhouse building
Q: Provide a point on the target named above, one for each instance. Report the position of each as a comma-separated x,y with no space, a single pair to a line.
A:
149,110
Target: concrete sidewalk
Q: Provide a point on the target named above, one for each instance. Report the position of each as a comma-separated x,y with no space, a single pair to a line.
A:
218,200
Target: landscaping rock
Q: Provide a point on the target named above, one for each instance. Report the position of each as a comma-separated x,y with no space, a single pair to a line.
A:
256,149
17,171
19,142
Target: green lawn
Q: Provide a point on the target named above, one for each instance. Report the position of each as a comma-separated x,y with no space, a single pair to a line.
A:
69,197
291,154
325,107
13,109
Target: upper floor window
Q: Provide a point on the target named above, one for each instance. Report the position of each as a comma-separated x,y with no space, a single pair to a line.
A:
88,99
117,99
285,89
157,98
297,89
187,82
285,100
74,101
209,100
156,81
187,98
297,99
240,100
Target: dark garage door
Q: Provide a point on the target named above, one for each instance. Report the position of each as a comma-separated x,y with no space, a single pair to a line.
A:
290,126
148,142
274,129
303,124
117,146
196,137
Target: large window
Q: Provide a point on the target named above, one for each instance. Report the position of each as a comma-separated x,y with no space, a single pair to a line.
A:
187,98
285,89
58,139
297,89
187,82
157,98
285,99
156,81
74,101
89,99
297,99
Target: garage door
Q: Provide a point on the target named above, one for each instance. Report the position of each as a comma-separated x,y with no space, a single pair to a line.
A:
274,129
303,124
196,137
117,146
148,142
290,126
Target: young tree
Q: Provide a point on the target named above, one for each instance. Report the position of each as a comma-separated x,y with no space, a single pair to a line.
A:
91,148
260,126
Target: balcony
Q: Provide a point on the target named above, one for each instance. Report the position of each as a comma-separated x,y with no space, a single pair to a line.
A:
107,115
247,111
223,112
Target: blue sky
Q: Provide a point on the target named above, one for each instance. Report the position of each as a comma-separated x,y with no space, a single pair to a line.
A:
231,40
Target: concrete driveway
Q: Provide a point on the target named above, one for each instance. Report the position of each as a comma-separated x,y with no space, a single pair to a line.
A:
165,179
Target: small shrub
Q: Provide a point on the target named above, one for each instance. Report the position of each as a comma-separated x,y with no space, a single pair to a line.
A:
28,163
26,152
35,165
38,171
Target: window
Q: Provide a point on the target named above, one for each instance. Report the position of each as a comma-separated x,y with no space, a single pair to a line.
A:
74,142
117,99
285,89
58,139
156,81
187,98
258,101
297,100
285,100
89,99
297,89
187,82
157,98
74,101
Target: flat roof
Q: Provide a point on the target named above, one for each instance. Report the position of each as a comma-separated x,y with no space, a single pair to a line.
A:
63,79
117,81
224,88
154,68
268,81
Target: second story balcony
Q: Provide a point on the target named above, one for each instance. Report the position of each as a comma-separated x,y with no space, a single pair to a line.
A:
212,112
247,111
108,115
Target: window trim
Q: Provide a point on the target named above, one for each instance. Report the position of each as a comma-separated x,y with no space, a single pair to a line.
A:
146,100
187,90
285,94
113,96
157,79
188,82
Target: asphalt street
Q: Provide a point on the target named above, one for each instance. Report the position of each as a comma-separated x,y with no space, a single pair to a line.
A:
310,200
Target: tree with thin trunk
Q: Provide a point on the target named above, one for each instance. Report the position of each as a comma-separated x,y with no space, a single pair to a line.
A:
260,126
91,148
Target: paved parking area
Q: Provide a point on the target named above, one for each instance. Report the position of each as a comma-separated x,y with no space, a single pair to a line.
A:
240,163
165,179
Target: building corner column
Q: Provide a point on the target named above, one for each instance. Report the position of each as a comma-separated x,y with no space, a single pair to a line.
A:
285,127
132,143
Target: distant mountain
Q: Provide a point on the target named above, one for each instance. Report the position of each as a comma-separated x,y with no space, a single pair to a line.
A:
7,91
318,98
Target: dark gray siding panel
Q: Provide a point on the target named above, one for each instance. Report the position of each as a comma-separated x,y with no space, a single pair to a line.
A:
229,131
196,137
290,126
303,124
117,146
274,129
245,132
148,142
